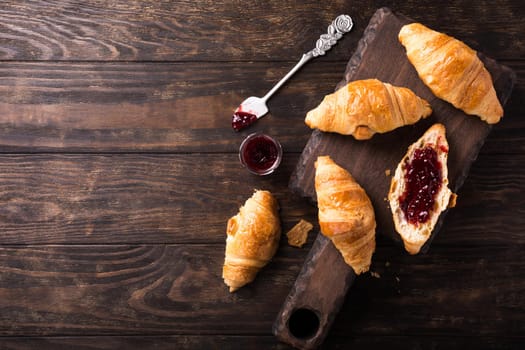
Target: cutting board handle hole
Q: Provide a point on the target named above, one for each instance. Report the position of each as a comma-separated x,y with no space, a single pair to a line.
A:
303,323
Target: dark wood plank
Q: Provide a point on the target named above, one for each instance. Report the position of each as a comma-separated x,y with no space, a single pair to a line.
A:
122,289
219,30
487,189
152,30
149,107
178,289
74,199
510,129
368,160
179,107
178,342
456,289
226,342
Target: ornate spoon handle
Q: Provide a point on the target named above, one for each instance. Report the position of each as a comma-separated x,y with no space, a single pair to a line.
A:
342,24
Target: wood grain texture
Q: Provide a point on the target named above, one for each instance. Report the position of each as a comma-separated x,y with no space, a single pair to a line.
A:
175,107
447,303
74,199
135,107
119,169
251,342
132,289
154,289
153,30
218,30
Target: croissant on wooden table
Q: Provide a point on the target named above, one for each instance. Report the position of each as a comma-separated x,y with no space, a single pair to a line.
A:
346,215
252,239
452,71
362,108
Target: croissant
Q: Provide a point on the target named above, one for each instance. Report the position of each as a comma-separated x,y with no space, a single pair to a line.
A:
346,215
365,107
419,189
252,239
452,70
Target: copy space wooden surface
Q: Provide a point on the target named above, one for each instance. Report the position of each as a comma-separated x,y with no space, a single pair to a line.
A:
119,170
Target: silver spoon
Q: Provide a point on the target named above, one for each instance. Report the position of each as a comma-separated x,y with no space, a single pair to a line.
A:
254,108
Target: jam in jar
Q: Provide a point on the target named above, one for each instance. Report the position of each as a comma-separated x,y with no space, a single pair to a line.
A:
260,153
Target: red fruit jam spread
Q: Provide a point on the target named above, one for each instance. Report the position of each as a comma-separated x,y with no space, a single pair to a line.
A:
260,153
242,120
423,180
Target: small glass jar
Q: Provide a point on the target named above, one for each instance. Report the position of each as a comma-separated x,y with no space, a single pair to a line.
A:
260,154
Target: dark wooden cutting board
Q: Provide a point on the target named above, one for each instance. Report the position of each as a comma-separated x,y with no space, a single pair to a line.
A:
319,291
380,55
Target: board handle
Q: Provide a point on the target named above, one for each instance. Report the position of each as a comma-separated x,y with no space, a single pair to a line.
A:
316,297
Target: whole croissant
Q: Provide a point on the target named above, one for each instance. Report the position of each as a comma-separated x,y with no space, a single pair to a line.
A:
365,107
452,70
346,215
252,239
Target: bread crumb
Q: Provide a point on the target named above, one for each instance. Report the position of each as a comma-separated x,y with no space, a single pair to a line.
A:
298,235
387,264
387,172
375,274
397,279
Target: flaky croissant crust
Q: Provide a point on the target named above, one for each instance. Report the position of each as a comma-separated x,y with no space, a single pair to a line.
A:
452,71
364,107
252,239
346,215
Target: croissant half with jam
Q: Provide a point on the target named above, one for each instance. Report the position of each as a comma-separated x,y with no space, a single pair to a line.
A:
452,70
346,215
365,107
252,239
419,190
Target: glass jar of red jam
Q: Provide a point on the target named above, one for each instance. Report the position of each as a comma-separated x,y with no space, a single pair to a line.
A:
260,153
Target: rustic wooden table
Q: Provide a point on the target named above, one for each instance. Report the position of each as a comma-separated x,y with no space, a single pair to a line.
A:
119,170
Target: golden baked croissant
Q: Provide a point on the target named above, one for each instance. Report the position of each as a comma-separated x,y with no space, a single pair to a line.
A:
419,189
252,239
452,70
364,107
346,215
